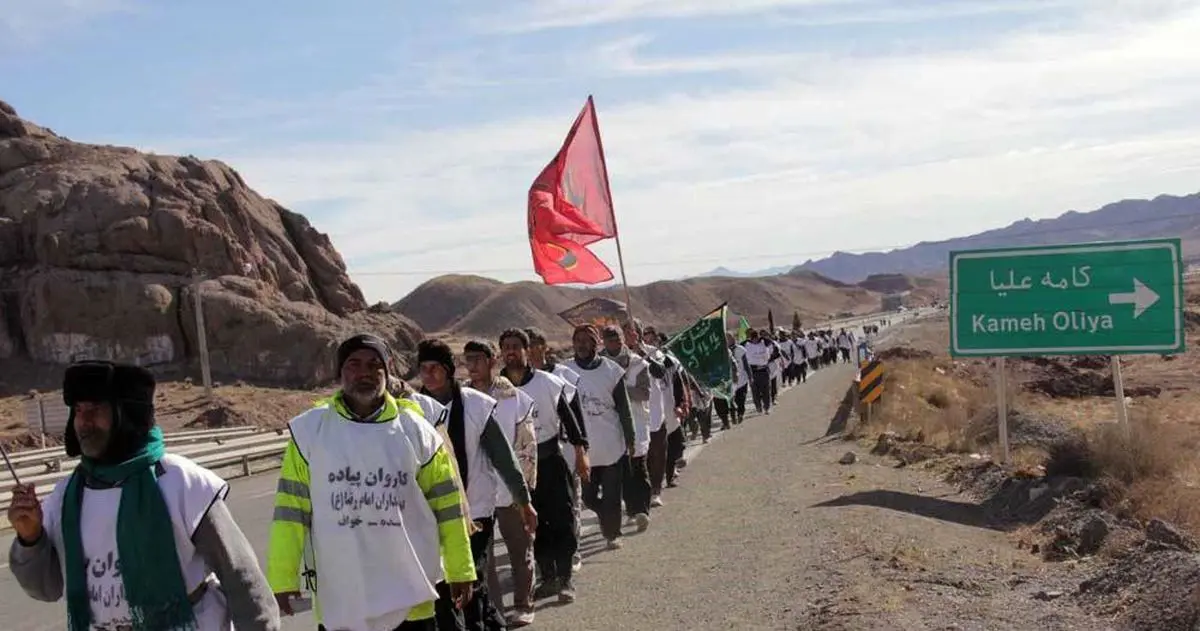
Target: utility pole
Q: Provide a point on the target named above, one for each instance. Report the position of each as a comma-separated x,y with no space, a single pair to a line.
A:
201,335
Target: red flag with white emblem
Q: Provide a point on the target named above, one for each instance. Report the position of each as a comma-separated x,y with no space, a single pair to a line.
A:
570,208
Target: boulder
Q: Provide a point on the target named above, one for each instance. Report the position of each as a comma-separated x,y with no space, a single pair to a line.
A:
102,247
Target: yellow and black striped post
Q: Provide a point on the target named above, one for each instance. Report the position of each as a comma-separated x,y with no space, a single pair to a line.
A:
870,384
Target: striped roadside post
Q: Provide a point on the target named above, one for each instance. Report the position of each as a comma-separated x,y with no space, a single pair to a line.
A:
870,384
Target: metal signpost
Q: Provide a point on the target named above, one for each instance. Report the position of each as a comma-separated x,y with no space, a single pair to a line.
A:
1113,299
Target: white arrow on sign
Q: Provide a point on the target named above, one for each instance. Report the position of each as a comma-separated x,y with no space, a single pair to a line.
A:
1142,298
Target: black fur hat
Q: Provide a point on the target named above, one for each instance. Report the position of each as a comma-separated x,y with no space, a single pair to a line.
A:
130,391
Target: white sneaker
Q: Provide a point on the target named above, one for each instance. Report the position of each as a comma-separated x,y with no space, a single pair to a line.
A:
643,521
656,501
521,618
614,544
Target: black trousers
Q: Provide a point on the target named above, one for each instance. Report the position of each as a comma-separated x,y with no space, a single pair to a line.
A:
802,371
480,614
739,402
723,411
760,387
675,447
554,500
704,420
408,625
656,459
637,487
602,495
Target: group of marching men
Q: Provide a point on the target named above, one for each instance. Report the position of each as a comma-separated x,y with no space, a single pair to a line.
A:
387,497
765,360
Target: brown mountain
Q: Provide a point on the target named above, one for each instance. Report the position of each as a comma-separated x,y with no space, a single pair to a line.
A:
98,245
1163,216
471,305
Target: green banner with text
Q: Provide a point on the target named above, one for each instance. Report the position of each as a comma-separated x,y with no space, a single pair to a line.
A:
703,352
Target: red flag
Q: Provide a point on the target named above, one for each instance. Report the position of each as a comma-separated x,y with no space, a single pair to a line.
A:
570,207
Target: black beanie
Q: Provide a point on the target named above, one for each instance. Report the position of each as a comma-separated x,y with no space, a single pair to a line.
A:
360,342
128,389
436,351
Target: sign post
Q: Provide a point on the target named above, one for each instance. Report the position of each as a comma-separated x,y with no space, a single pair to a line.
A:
1116,298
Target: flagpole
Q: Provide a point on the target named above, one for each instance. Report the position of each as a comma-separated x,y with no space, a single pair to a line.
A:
612,205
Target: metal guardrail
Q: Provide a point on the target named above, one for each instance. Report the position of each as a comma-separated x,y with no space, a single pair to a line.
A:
272,446
38,472
174,438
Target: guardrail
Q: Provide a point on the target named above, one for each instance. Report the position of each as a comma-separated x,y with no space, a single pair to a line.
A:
35,473
271,444
174,438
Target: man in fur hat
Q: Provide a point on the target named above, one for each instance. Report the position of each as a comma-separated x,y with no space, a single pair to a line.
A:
135,538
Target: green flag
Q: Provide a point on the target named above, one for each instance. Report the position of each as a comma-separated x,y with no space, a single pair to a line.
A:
703,352
743,328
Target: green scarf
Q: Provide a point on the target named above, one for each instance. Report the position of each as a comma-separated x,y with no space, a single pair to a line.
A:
153,581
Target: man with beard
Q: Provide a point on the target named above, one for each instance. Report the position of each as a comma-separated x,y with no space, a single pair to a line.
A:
605,404
514,414
541,359
799,357
135,538
637,382
484,456
681,401
665,390
758,357
741,381
556,541
388,526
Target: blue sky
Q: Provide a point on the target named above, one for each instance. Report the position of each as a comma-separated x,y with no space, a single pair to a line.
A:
745,134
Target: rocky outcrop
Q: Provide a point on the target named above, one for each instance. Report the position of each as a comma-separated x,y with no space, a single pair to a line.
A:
101,247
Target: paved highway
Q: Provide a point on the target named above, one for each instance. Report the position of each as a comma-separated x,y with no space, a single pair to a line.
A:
629,575
251,502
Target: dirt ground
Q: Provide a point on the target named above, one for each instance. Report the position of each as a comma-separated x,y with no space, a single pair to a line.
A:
1124,502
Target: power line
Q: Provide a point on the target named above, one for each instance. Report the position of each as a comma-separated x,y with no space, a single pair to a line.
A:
882,249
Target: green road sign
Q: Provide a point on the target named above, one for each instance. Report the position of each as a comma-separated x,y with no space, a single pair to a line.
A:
1093,298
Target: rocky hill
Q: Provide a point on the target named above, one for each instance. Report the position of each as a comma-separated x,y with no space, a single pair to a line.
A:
471,305
98,250
1163,216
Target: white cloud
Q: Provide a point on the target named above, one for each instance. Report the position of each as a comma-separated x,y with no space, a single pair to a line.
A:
30,22
851,153
538,15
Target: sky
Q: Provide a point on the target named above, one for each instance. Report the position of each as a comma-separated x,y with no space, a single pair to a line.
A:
743,133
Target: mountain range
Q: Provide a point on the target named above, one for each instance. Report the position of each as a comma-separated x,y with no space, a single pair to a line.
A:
1163,216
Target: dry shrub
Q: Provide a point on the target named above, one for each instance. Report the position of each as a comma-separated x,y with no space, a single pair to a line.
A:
1147,449
1141,467
1166,499
924,398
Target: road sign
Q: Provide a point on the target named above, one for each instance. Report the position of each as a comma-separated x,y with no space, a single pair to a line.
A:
1093,298
870,382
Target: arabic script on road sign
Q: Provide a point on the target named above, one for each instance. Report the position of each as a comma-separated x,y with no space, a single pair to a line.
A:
1101,298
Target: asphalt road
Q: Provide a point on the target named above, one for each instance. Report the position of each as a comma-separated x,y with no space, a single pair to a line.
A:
646,573
250,499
